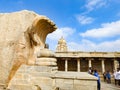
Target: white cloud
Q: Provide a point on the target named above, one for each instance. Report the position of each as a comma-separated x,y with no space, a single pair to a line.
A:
65,32
73,46
90,6
84,19
86,45
106,30
93,4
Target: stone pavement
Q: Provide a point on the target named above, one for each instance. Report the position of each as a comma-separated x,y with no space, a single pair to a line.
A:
105,86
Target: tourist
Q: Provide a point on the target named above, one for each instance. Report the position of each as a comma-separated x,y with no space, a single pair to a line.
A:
114,76
118,76
104,76
90,70
98,81
108,77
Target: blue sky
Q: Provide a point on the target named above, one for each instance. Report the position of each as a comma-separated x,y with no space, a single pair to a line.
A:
86,25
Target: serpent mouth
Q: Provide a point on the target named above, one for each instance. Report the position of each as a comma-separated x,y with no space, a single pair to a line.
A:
42,26
42,23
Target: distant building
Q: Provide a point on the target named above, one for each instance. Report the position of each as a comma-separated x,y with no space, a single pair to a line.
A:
80,61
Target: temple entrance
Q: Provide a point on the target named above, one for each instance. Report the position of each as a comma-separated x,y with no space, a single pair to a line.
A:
109,65
83,65
61,65
96,64
72,65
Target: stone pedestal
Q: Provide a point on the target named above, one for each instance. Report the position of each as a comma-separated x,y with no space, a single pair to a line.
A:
38,75
33,77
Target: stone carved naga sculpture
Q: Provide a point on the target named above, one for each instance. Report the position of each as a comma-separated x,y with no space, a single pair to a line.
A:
29,43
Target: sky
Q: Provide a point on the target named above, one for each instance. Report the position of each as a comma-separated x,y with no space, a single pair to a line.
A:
86,25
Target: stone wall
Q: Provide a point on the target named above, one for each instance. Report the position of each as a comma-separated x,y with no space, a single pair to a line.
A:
77,84
75,81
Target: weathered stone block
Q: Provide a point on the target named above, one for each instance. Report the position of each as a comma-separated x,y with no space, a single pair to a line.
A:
75,81
23,87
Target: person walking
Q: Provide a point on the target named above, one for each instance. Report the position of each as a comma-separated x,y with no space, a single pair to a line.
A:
98,81
118,76
114,76
108,77
104,76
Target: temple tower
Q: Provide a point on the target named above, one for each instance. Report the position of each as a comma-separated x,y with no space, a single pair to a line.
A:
62,46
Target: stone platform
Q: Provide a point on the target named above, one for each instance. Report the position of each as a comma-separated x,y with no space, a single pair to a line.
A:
47,78
75,81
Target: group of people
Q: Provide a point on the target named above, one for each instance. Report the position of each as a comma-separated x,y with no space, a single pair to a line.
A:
106,75
96,74
116,76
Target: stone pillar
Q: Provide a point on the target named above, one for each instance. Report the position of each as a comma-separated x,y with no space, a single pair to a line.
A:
78,65
103,65
66,65
90,64
116,65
